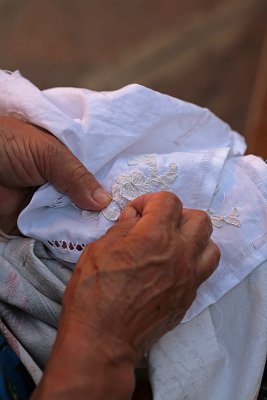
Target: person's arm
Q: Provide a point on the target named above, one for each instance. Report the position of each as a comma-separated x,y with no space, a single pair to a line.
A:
86,368
127,290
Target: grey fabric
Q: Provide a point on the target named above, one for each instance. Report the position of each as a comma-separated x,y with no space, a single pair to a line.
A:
31,290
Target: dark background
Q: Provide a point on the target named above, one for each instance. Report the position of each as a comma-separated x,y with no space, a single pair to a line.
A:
203,51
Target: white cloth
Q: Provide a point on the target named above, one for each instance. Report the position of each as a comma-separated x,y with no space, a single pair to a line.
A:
219,354
191,152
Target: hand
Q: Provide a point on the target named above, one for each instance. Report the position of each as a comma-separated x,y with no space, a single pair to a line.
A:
143,275
127,290
29,157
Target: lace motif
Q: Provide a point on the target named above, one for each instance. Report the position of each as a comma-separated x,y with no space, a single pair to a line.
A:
132,184
230,219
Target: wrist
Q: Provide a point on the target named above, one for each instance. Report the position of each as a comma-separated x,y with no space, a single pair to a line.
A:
80,367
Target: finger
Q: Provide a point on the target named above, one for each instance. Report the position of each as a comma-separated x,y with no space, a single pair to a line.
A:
113,240
34,157
129,212
210,259
154,230
69,176
157,210
196,226
145,217
128,219
12,201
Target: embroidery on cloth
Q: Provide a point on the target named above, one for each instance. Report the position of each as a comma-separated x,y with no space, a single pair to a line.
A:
230,219
125,188
198,124
17,115
132,184
66,245
112,212
129,185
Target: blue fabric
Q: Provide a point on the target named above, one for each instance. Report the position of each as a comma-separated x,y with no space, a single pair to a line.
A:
15,382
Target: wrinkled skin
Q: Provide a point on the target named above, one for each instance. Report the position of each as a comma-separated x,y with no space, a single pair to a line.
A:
144,272
127,290
29,157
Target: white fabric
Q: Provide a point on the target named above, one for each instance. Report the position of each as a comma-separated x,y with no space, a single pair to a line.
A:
219,354
199,156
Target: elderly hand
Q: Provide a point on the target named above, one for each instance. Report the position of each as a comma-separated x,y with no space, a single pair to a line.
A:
143,274
127,290
29,157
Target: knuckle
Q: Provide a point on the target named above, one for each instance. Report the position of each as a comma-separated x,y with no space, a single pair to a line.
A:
167,206
202,216
203,219
170,198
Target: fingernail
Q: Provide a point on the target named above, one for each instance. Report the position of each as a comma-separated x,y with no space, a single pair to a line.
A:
101,197
129,212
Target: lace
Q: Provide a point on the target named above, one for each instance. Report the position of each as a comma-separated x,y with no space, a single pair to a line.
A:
66,245
230,219
132,184
128,186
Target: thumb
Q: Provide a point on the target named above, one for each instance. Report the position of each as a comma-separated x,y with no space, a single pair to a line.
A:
70,177
30,156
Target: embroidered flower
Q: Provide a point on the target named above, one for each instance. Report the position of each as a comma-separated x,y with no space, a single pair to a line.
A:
132,184
129,185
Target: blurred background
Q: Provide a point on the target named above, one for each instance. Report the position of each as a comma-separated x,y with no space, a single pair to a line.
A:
209,52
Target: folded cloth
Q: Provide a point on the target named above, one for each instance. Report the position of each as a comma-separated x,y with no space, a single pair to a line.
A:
219,354
31,290
137,141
